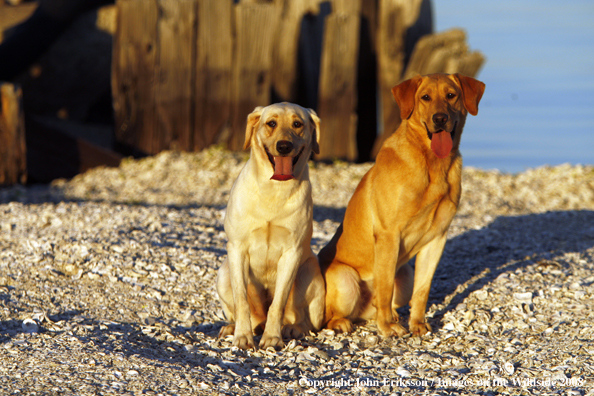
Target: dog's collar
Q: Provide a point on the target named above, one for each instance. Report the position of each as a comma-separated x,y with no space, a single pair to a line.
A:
430,134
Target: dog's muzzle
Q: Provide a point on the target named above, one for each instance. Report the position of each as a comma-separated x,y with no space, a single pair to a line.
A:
283,165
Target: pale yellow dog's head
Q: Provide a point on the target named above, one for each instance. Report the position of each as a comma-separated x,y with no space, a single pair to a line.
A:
284,135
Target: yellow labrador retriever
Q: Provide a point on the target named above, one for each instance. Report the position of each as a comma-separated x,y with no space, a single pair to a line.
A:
271,280
402,207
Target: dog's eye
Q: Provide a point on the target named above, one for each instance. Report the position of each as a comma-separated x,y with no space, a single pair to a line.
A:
426,97
297,124
451,95
271,124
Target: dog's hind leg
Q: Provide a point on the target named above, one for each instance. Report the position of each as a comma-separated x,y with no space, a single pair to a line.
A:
316,296
343,297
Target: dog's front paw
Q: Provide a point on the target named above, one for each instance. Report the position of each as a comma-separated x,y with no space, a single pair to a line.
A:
419,328
292,331
271,341
243,342
341,325
391,329
227,330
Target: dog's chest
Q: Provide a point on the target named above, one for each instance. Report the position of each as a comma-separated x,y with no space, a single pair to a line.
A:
437,206
267,244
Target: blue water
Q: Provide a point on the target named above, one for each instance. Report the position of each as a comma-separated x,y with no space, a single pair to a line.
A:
538,107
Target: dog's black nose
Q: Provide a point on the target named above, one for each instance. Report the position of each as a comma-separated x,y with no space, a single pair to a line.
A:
440,118
284,147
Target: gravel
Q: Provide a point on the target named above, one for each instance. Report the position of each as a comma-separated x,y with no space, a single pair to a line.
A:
107,286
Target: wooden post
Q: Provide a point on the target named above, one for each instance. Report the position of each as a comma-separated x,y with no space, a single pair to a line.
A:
214,59
390,56
401,23
174,69
337,91
133,74
467,64
13,158
13,15
284,71
367,82
186,73
255,25
349,7
445,52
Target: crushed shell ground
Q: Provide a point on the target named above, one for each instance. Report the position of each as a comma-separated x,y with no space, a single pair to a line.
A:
107,286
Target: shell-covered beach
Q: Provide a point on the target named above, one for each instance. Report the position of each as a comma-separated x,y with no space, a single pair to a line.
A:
107,286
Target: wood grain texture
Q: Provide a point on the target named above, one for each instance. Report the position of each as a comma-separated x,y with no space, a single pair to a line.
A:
445,52
285,48
174,73
186,73
337,94
13,153
255,25
390,57
214,60
134,62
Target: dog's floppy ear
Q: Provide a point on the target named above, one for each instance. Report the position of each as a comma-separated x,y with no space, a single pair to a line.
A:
315,144
252,120
404,94
473,92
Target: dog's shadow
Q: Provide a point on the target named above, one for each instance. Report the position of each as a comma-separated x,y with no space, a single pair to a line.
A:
477,257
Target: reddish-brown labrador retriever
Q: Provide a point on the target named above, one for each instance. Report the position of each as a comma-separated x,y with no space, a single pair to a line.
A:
402,208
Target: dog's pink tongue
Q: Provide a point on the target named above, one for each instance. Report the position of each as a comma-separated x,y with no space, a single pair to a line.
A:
283,168
441,144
